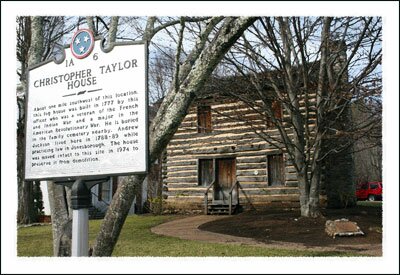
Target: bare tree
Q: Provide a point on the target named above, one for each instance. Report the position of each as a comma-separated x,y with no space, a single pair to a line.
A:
48,33
189,80
30,48
301,64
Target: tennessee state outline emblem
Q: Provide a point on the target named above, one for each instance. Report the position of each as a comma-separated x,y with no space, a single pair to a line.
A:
82,43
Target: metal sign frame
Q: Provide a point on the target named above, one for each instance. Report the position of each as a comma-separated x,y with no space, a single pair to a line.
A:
70,179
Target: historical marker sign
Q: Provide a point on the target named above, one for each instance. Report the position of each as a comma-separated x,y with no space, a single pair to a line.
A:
88,115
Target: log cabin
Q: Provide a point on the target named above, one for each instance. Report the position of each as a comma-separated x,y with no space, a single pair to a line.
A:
218,161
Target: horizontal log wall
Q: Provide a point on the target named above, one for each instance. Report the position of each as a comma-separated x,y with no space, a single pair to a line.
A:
231,137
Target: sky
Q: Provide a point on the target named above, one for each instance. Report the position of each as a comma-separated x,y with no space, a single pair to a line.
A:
389,263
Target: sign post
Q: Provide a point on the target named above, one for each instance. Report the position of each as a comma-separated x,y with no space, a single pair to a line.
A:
87,120
80,199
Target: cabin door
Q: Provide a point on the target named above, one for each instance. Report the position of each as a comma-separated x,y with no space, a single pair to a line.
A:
225,178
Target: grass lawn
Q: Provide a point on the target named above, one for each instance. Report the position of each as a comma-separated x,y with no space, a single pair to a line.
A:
136,239
370,203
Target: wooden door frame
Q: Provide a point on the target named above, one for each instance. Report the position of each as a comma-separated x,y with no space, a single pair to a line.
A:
214,159
216,172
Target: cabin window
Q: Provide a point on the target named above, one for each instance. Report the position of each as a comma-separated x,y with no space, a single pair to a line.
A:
204,119
104,188
206,172
105,191
275,170
277,111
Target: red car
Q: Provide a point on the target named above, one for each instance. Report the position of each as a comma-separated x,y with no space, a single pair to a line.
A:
371,191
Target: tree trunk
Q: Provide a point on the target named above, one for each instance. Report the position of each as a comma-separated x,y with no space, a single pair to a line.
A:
90,23
309,190
162,132
116,215
26,213
309,199
61,218
112,33
59,206
36,48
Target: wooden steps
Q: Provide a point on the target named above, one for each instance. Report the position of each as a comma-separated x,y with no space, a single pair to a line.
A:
221,209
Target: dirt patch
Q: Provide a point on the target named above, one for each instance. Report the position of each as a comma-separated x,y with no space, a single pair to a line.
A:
286,225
